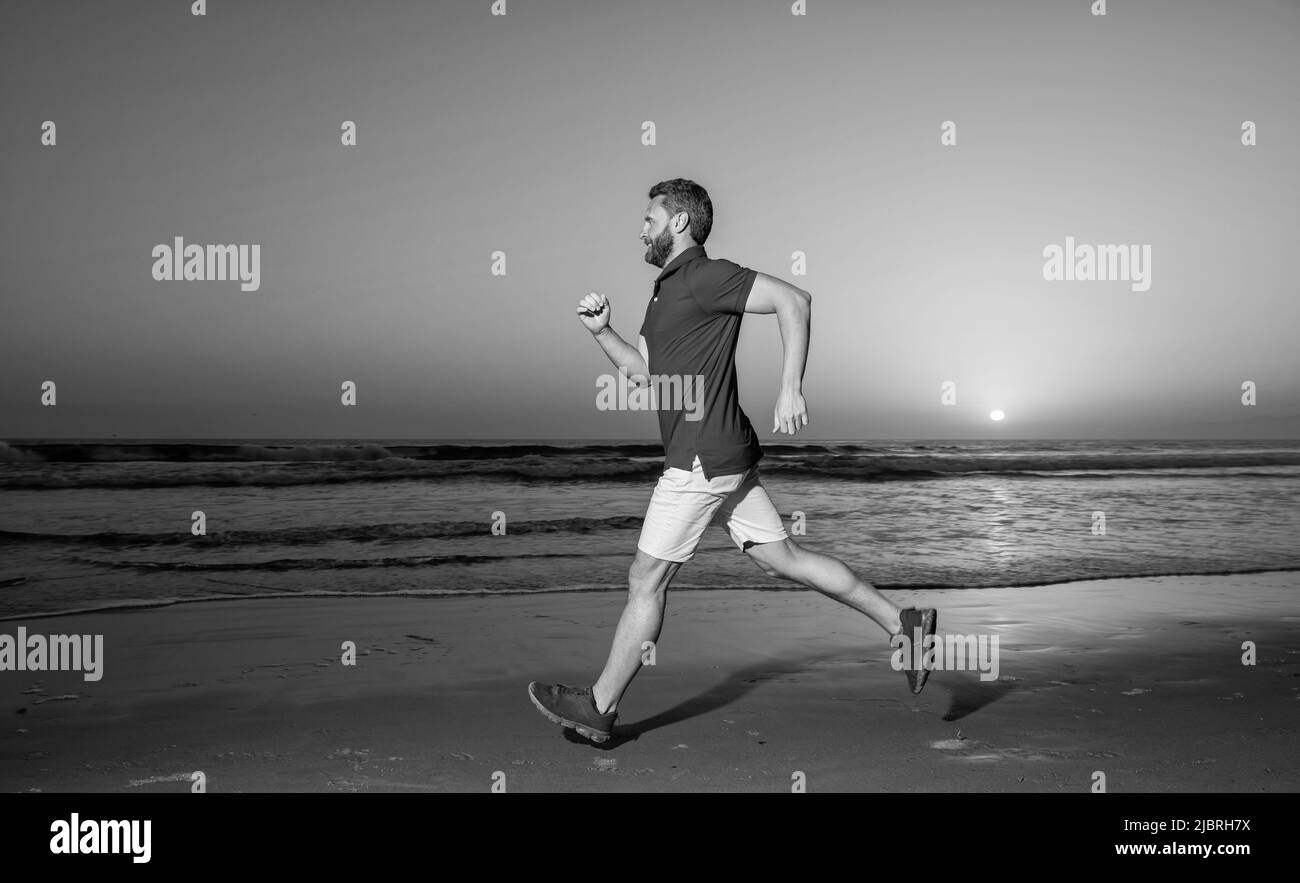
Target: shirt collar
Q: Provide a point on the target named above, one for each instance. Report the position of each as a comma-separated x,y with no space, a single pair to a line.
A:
676,263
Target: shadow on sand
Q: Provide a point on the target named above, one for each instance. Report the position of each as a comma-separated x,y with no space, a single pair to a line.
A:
967,697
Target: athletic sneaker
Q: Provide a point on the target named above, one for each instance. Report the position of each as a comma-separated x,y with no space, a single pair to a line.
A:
573,707
924,619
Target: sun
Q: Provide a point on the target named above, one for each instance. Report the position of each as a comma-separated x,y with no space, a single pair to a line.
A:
996,415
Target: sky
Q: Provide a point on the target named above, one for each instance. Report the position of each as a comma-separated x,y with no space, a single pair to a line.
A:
522,133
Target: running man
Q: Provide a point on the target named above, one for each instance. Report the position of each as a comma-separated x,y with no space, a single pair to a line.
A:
691,326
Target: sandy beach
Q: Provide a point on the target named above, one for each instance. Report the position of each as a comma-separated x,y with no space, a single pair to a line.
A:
1147,686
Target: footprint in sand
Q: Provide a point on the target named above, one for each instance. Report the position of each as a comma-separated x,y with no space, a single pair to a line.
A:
60,697
961,743
1008,754
154,780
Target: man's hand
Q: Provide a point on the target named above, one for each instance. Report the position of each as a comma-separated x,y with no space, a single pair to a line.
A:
594,312
791,412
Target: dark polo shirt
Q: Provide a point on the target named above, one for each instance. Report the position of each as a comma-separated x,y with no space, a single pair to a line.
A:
691,327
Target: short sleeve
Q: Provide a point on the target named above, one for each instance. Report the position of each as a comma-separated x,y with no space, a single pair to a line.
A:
722,286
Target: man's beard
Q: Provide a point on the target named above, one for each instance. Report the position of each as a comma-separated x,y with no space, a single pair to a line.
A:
659,249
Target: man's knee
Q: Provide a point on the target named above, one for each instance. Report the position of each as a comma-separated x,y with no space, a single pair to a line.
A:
779,559
649,576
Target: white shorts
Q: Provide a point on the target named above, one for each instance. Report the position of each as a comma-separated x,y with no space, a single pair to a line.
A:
685,503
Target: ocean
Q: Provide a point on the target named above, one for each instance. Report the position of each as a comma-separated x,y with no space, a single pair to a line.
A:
87,525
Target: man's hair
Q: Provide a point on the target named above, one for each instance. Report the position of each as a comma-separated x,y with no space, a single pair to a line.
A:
681,195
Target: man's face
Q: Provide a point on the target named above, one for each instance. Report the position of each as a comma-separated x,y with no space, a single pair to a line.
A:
656,234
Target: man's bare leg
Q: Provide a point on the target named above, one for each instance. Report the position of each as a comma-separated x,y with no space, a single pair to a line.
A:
786,559
642,619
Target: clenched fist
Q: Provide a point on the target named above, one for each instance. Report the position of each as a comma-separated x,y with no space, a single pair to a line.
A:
594,311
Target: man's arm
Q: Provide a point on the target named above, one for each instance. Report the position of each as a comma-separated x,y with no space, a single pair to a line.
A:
623,355
594,312
793,308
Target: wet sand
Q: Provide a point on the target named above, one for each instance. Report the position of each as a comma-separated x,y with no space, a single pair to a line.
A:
1140,679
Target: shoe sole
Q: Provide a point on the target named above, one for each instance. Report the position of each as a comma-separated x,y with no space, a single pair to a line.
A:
929,625
582,729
